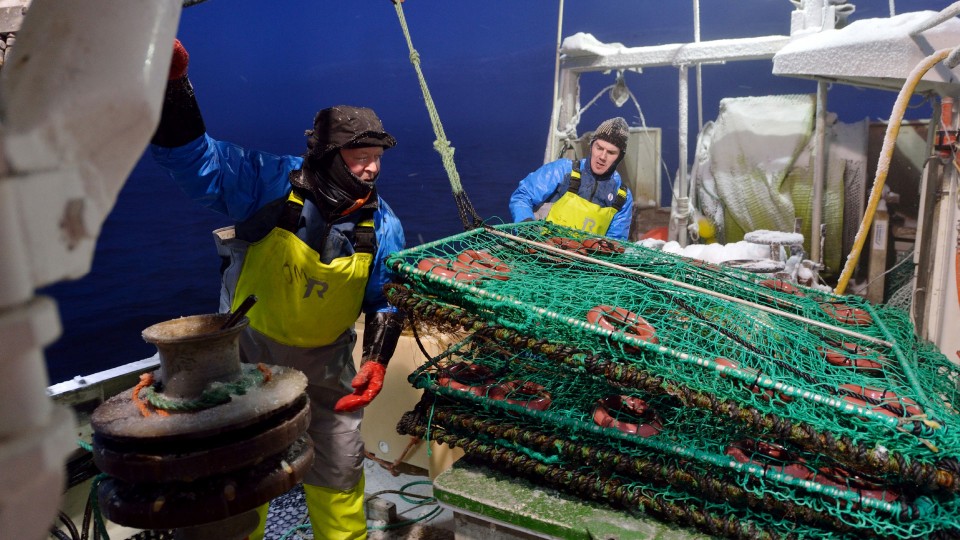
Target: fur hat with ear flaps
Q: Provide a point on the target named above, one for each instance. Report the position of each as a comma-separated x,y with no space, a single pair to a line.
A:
324,176
613,131
344,126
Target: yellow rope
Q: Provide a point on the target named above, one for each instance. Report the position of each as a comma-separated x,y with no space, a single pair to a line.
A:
883,166
441,145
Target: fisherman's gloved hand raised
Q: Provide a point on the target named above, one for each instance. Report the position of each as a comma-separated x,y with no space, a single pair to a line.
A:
180,120
179,62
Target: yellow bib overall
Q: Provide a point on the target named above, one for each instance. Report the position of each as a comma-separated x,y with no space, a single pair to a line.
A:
300,300
573,211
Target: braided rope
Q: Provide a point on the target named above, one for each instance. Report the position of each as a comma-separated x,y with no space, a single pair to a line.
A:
216,393
468,214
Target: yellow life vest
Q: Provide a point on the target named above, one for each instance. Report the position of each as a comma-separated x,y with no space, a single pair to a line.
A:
300,300
573,211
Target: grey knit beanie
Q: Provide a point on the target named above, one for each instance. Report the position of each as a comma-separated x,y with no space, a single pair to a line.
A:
613,131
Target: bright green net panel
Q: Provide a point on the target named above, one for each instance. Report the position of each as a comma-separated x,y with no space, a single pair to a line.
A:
829,375
488,398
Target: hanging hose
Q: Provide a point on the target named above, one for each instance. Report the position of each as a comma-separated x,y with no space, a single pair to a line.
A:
468,216
883,166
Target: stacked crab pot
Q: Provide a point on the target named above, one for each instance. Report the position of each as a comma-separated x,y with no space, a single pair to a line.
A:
703,395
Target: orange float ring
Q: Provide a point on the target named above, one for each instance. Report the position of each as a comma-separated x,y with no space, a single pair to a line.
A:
604,246
617,319
449,269
483,263
773,456
846,314
766,393
853,355
526,394
880,400
841,478
467,377
641,419
782,286
565,243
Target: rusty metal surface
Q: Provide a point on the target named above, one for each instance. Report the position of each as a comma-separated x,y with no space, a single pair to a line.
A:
176,505
194,458
119,417
196,351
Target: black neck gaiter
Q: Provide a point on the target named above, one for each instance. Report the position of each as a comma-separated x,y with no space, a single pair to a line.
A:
333,188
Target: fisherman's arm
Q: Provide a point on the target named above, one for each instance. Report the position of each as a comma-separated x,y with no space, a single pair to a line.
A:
383,323
536,188
220,175
620,225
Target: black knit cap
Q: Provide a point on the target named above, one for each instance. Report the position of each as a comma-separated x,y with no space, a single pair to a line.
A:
614,131
344,126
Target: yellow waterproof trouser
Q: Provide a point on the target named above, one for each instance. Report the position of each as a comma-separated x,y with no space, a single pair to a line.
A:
257,533
334,514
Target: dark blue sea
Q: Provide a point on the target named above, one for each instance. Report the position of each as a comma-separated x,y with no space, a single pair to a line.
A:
260,75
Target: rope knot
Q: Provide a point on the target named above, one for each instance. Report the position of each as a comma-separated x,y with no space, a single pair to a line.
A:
443,146
414,57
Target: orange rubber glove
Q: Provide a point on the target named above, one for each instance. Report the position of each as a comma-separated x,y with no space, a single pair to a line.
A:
366,386
179,62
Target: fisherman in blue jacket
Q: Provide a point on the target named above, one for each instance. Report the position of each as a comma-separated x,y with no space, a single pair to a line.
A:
567,192
319,213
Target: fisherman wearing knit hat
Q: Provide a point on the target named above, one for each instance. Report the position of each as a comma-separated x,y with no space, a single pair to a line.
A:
586,194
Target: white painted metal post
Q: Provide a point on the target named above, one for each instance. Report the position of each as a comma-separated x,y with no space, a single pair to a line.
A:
681,202
819,170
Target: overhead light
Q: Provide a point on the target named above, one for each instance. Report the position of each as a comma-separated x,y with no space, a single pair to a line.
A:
619,93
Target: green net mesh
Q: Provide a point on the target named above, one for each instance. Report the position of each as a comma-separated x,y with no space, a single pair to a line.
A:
825,406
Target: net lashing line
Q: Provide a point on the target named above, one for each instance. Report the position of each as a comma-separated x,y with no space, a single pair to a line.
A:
530,405
922,476
841,387
717,520
468,215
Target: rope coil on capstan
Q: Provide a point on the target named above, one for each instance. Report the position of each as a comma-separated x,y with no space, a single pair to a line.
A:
146,381
216,393
468,215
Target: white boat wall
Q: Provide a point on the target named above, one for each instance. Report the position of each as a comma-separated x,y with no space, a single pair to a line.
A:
77,114
78,111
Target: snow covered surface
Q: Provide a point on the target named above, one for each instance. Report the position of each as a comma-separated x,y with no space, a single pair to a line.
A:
773,237
581,44
874,52
712,253
798,269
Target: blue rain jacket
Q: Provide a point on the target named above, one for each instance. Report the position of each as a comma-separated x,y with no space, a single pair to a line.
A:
238,183
551,181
